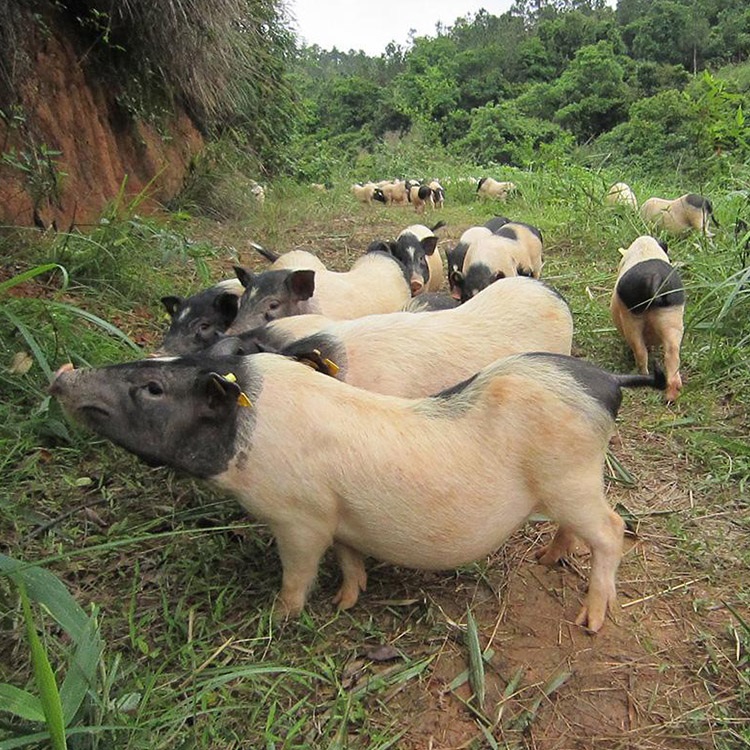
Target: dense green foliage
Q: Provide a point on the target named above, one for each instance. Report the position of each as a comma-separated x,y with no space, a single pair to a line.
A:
651,84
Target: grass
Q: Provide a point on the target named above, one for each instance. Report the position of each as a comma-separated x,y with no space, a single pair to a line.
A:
184,582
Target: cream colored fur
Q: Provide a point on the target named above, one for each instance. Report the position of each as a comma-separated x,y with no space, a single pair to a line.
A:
621,193
298,259
336,465
404,354
676,216
491,188
364,193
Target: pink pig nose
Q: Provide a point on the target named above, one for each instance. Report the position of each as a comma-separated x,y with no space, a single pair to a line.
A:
67,367
416,287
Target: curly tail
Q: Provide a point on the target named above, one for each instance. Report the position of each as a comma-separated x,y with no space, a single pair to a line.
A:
437,226
267,254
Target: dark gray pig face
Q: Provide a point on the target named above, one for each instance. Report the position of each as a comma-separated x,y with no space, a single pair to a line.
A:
180,412
198,321
271,295
412,254
479,276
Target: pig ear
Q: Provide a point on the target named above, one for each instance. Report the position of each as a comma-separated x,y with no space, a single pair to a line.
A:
378,246
227,305
429,244
220,392
622,251
172,304
456,279
301,284
246,277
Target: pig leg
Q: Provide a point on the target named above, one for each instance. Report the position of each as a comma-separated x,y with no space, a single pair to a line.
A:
583,511
301,548
671,337
633,331
355,577
564,543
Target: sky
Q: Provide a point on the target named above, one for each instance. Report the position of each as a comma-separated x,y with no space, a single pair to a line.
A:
370,25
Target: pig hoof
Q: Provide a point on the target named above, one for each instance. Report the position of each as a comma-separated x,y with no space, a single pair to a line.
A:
283,611
348,594
593,614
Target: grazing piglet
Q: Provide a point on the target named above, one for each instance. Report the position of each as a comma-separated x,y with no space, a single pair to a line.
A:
621,194
337,465
403,354
368,193
678,216
419,196
488,187
395,193
375,284
438,194
456,255
648,303
416,249
515,249
198,321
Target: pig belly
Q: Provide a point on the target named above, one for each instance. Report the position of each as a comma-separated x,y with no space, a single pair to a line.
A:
442,533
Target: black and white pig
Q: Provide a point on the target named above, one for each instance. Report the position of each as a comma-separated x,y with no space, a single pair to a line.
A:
340,466
648,306
199,320
376,283
456,255
417,251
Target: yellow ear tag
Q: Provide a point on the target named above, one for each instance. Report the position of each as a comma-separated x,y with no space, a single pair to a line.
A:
230,377
333,368
243,400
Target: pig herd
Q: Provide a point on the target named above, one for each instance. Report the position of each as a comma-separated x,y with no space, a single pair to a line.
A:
371,412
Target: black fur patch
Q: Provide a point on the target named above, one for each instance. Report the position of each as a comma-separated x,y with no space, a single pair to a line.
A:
495,223
457,388
508,232
650,283
599,384
479,276
328,346
698,201
456,256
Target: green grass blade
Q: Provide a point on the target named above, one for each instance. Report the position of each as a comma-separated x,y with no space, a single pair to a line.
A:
476,663
31,341
31,273
21,703
81,674
45,679
97,321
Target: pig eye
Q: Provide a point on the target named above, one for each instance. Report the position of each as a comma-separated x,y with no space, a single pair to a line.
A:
154,388
204,327
274,304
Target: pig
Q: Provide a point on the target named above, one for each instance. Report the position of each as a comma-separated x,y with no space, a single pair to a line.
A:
198,321
367,193
416,249
376,283
648,305
408,355
529,238
395,193
438,193
621,194
456,255
487,187
340,466
679,216
420,196
488,260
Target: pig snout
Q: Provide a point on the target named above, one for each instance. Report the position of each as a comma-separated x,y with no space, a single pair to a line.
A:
56,386
417,286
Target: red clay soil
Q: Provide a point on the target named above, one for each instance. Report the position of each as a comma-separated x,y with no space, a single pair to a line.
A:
100,144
